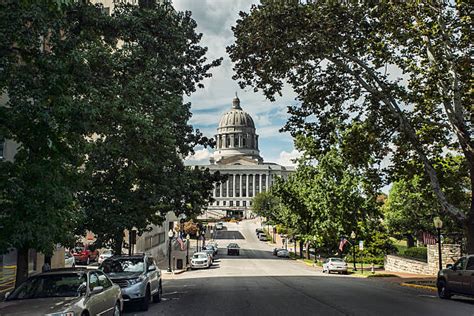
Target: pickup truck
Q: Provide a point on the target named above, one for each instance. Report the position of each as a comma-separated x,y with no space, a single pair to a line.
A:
457,278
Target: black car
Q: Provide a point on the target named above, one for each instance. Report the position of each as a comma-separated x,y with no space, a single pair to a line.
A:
233,249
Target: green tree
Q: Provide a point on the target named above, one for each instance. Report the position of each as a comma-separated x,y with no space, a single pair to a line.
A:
335,55
267,205
40,82
142,133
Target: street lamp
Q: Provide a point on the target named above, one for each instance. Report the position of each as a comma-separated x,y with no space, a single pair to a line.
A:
187,250
203,238
198,234
438,224
170,235
353,237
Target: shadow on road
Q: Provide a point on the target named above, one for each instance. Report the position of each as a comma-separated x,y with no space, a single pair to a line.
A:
229,234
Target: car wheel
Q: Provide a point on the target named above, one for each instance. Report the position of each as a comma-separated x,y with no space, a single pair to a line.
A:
443,291
117,311
157,296
145,303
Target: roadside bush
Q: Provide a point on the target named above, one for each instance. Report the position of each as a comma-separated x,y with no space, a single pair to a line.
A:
419,253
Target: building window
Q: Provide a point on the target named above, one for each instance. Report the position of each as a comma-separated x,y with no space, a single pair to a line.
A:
250,203
244,185
264,182
237,185
231,203
224,189
231,185
224,203
257,183
227,143
237,203
250,184
244,203
217,203
218,190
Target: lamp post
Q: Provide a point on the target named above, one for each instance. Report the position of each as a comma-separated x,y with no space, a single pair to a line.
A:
198,234
438,224
353,237
187,250
170,235
203,238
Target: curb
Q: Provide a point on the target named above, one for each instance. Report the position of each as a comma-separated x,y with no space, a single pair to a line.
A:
417,286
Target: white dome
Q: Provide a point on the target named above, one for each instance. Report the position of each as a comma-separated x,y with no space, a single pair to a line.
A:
236,117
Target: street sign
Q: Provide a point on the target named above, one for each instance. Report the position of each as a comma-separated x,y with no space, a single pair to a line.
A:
361,245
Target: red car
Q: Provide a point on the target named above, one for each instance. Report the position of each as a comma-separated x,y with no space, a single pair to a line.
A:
83,254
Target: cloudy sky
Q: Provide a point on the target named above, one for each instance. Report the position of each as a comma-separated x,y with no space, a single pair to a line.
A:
214,19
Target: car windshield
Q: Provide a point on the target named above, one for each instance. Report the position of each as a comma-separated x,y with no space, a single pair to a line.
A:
50,285
336,260
199,256
107,252
123,266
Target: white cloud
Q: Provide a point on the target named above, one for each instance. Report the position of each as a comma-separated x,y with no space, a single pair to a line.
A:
200,157
286,158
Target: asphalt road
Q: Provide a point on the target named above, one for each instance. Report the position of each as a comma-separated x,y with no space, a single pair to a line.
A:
257,283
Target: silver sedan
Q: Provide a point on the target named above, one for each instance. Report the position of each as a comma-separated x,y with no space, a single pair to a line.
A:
65,292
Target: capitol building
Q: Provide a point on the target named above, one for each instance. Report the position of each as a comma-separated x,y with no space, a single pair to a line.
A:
237,155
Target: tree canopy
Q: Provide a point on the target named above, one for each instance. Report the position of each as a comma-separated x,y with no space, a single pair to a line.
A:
387,77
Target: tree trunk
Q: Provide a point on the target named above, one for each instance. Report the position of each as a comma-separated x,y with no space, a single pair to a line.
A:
469,228
21,266
308,256
410,241
301,249
117,243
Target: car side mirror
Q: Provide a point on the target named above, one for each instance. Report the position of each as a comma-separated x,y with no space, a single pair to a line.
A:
151,268
450,266
97,289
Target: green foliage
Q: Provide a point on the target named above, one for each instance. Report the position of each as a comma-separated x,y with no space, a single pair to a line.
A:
266,205
342,73
419,253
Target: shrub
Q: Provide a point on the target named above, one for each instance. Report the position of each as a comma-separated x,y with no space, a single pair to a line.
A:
419,253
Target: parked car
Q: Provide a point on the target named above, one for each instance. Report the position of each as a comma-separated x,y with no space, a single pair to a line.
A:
138,277
215,245
210,252
262,237
200,260
335,264
233,249
65,292
457,278
69,261
220,226
107,253
283,253
275,250
85,254
211,247
258,231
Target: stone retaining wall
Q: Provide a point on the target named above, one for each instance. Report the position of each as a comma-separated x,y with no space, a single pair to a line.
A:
450,253
400,264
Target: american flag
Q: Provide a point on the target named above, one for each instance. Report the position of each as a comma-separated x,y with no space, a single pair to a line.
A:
429,239
342,244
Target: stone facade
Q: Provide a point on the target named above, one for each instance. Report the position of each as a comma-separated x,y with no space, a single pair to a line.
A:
450,253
